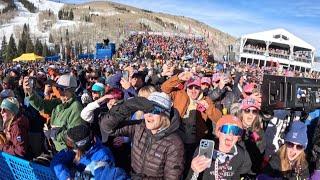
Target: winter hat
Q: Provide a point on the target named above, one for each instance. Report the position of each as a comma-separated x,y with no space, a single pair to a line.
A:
11,104
250,102
162,100
297,134
6,93
98,87
80,135
194,82
228,119
67,81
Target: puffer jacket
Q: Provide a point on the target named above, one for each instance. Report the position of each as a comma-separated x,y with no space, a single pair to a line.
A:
181,102
97,157
63,116
153,156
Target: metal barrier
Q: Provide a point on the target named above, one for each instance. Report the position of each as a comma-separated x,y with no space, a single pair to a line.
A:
15,168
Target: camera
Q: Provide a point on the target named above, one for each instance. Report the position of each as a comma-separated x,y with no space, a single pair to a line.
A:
280,92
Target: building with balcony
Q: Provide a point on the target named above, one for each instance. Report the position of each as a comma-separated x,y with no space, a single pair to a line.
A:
275,46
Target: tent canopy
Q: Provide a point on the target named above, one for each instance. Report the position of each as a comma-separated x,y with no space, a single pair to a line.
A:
280,36
29,57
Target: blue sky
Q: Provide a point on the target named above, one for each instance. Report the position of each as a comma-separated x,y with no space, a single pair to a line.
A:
237,17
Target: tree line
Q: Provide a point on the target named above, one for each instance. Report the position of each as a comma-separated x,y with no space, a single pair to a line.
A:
30,6
65,14
10,50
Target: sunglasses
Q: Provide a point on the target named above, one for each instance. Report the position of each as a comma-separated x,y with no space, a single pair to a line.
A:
194,87
231,129
291,145
94,78
157,110
252,111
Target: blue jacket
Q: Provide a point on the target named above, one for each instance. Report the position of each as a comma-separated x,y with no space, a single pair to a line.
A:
96,157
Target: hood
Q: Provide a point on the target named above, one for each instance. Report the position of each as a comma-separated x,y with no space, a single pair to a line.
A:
174,125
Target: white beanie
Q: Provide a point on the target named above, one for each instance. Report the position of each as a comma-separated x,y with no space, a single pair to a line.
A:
161,99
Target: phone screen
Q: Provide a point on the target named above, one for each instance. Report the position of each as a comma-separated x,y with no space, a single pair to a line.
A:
206,148
125,75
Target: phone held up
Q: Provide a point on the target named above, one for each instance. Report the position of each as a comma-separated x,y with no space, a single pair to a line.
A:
206,148
125,75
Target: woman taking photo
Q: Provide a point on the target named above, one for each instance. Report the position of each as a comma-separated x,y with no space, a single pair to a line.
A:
290,161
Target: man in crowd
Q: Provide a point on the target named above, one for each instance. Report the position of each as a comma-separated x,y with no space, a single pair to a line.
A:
65,111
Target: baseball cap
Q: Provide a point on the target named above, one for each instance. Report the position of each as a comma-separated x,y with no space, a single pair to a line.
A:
67,81
194,82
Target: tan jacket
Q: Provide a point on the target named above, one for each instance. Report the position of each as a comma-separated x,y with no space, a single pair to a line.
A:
181,102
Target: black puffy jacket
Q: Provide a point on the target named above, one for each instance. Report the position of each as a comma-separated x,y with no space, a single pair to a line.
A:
153,156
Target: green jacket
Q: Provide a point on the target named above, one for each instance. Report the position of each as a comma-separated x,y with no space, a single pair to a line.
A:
64,116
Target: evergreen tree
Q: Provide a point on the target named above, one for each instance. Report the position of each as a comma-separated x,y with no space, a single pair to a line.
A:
71,16
80,48
38,47
21,47
11,49
29,46
50,38
3,48
45,50
60,14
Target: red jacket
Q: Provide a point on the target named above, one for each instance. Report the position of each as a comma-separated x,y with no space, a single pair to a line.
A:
18,132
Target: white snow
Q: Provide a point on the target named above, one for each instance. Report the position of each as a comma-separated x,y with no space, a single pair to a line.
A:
26,17
44,5
2,6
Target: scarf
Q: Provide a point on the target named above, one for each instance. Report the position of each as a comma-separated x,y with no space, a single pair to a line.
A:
192,105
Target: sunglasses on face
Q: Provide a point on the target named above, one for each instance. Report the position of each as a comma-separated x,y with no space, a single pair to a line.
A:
94,78
157,110
291,145
194,87
252,111
231,129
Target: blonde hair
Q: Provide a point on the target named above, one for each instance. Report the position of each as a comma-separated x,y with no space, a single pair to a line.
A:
301,161
146,91
165,120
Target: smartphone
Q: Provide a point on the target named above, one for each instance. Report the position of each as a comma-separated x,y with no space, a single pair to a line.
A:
31,82
206,148
125,75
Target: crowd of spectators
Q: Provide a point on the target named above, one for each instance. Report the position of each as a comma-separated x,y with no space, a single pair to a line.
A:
164,47
144,116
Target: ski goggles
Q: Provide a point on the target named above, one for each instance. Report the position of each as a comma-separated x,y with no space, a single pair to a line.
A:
158,110
231,129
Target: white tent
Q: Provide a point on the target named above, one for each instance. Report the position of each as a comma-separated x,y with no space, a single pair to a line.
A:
281,36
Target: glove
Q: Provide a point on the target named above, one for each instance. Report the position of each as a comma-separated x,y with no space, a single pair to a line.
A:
86,98
54,132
